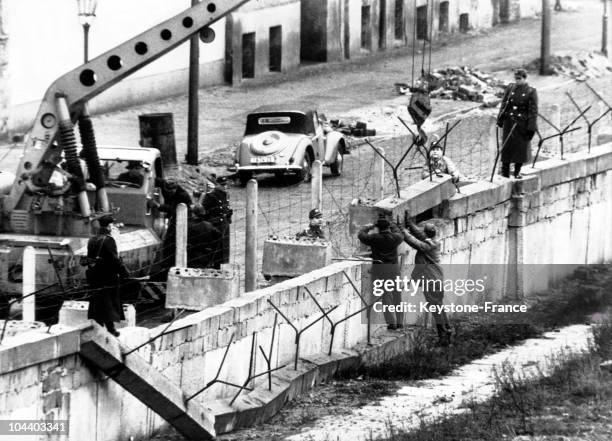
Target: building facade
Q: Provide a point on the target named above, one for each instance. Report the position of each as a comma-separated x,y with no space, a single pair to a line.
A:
261,38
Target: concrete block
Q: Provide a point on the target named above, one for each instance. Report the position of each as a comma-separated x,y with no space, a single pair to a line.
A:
73,313
360,215
528,184
604,138
290,257
197,289
15,327
427,194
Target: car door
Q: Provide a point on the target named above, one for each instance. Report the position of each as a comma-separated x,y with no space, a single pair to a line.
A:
318,141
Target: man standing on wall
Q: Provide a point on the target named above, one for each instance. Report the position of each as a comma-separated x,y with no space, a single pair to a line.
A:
105,269
428,269
384,245
518,118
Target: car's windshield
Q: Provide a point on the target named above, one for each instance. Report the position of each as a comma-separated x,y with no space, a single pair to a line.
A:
283,122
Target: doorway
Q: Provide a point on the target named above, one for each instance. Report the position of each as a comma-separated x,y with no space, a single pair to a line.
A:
399,19
382,24
464,22
248,55
421,23
443,19
276,48
366,28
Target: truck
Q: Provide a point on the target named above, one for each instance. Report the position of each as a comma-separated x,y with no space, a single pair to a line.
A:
62,187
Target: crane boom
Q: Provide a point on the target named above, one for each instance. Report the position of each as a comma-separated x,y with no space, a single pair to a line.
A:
75,88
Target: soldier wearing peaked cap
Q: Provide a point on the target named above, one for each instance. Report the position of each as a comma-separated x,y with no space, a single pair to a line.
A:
314,230
519,109
105,269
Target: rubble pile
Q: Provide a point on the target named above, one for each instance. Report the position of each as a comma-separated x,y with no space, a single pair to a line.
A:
358,129
461,83
579,66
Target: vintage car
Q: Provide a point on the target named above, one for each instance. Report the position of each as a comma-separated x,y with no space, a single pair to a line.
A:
288,140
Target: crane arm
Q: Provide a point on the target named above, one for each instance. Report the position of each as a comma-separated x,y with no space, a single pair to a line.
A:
70,92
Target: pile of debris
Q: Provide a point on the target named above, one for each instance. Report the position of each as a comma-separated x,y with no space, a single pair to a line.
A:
358,129
579,66
460,83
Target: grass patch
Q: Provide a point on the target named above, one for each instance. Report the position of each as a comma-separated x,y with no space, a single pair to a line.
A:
477,335
572,399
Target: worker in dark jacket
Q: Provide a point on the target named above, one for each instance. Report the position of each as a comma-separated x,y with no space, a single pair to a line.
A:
428,269
519,109
218,212
173,195
105,269
203,238
385,264
314,230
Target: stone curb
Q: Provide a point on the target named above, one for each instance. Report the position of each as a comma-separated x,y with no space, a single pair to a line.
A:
261,404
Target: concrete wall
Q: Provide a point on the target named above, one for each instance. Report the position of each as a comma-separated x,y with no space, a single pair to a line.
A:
535,230
259,17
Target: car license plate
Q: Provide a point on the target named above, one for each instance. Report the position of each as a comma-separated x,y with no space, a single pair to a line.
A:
263,160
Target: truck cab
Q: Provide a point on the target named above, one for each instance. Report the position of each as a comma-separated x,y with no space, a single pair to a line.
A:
130,199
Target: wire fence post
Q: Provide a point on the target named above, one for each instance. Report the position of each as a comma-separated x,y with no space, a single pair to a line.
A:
181,236
316,185
379,188
29,284
250,252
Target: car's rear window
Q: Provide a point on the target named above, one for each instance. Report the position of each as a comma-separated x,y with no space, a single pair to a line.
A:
286,123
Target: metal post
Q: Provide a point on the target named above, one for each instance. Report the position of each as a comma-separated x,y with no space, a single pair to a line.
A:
379,190
604,29
181,236
545,43
250,252
86,42
29,284
316,185
192,117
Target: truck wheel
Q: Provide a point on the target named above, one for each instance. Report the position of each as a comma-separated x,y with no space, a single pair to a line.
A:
305,173
336,166
244,177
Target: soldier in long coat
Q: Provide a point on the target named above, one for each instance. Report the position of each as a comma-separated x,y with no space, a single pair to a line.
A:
519,109
103,277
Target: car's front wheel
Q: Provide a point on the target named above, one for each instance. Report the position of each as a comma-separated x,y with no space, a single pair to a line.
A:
306,171
336,166
244,177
